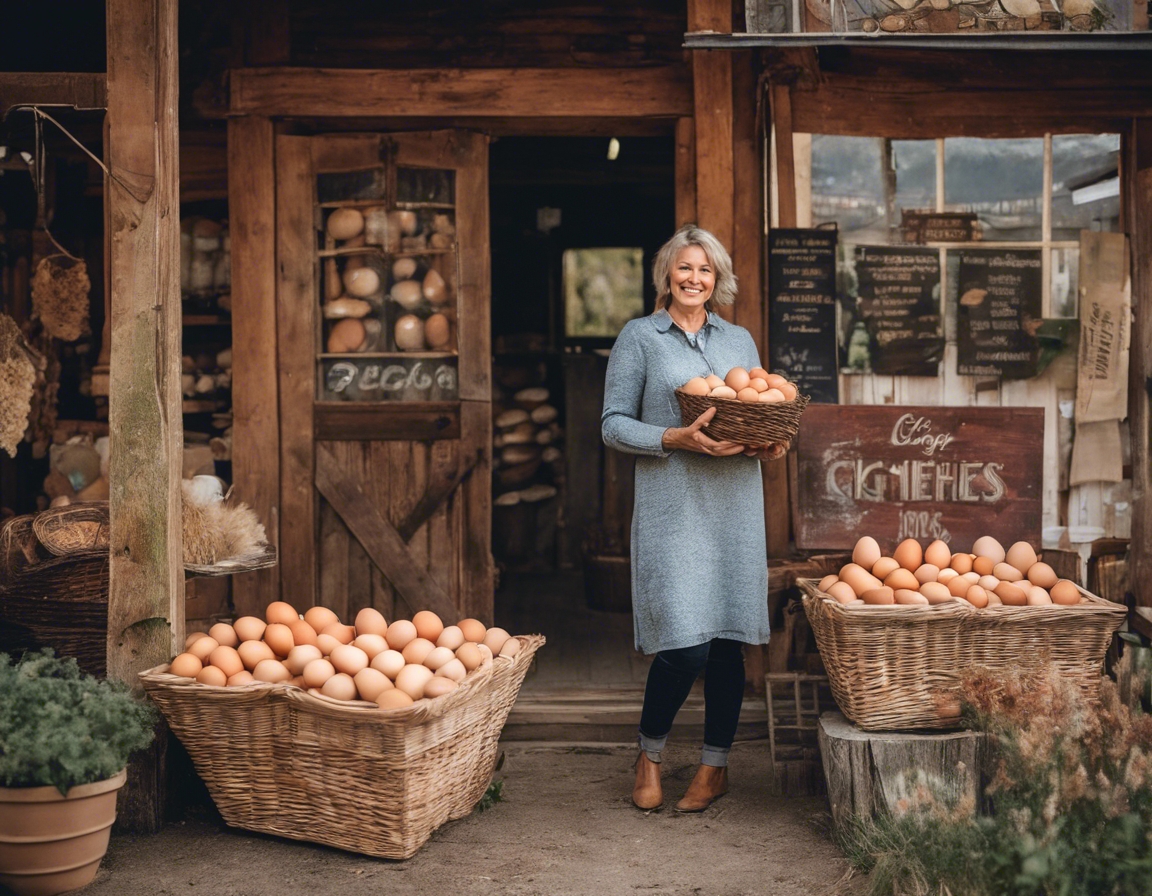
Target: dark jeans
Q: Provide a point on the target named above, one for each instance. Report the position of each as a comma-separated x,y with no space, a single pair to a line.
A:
671,677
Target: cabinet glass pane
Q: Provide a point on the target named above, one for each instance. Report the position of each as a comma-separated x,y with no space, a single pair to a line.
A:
1085,184
1002,181
848,186
1065,283
425,185
914,162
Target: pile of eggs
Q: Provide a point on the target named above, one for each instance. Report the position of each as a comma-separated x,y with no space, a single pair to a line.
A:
756,384
391,665
989,576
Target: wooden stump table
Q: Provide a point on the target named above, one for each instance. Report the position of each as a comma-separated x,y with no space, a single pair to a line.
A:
872,772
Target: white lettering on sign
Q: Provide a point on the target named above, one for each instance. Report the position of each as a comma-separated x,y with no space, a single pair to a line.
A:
913,481
917,431
922,524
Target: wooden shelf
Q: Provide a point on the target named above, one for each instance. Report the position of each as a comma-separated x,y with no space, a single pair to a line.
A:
1006,40
330,355
206,320
354,203
378,250
413,206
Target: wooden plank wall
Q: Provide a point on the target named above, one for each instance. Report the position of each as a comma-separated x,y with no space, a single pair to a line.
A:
1138,212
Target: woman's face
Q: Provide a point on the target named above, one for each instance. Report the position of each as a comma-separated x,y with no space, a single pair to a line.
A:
693,278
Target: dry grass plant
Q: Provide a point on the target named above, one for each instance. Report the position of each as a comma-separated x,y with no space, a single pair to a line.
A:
1069,807
218,530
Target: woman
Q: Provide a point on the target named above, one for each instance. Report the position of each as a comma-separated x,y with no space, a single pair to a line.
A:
699,569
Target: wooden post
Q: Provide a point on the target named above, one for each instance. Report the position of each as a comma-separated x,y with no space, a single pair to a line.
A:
255,385
685,171
145,601
1139,225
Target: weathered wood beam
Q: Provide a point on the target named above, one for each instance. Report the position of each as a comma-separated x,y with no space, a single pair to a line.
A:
1138,212
685,173
255,385
80,90
146,590
660,91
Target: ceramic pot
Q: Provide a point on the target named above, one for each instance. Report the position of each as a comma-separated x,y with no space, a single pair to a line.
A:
50,843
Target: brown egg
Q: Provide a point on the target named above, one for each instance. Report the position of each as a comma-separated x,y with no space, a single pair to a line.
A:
371,645
412,678
758,383
370,621
989,547
905,597
977,596
327,644
866,553
345,634
300,656
212,675
774,380
252,652
361,282
302,632
437,657
349,659
772,395
407,294
451,637
202,647
279,611
1007,573
958,587
279,637
946,575
935,593
428,625
346,336
884,566
511,648
748,394
345,223
1011,595
437,332
713,381
842,591
962,563
473,629
409,333
339,687
434,288
1065,593
224,634
371,683
470,656
788,390
1042,574
909,554
1038,597
249,628
390,662
453,669
938,554
758,373
927,572
495,638
193,637
227,660
271,670
240,679
901,578
737,378
723,392
416,649
320,618
988,583
438,687
393,698
972,578
1021,555
697,386
400,633
317,672
983,566
881,595
186,666
858,578
826,582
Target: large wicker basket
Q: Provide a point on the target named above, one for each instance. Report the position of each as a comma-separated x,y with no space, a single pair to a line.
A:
897,668
282,761
746,422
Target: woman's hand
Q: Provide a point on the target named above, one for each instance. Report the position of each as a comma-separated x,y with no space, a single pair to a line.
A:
771,451
690,438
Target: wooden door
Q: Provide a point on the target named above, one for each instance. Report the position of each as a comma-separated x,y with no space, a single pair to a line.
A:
384,363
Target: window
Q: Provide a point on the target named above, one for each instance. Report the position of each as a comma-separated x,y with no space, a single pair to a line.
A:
603,290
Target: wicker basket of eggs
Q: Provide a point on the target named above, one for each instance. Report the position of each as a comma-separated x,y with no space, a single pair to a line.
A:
898,632
366,737
753,407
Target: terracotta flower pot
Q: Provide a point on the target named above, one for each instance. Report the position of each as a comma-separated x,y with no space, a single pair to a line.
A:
50,843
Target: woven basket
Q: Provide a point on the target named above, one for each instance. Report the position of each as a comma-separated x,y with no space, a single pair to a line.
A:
897,668
282,761
73,528
18,545
745,422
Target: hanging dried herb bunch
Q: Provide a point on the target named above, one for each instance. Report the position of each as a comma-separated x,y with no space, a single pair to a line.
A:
17,377
60,289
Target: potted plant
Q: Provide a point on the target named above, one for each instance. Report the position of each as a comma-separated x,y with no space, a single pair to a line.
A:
65,739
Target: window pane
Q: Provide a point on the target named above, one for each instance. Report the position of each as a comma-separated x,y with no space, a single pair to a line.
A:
848,186
1065,282
915,164
1002,181
1085,184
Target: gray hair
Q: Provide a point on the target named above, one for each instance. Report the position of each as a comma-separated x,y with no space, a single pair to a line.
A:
724,292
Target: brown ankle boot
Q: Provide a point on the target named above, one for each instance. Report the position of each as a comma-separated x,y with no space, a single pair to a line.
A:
647,793
709,785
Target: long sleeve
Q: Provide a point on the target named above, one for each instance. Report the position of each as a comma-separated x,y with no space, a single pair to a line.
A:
626,378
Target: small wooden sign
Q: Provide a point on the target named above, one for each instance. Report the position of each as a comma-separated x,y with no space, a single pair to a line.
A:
917,472
939,227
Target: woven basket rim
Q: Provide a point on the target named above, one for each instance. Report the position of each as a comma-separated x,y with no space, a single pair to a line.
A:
800,401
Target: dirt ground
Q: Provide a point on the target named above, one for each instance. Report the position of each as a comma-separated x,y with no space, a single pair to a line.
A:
565,827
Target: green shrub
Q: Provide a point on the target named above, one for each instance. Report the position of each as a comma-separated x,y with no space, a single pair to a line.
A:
1069,807
62,728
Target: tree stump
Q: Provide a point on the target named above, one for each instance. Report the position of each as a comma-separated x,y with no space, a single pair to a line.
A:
870,773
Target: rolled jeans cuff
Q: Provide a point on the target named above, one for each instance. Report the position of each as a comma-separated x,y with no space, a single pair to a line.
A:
652,746
716,757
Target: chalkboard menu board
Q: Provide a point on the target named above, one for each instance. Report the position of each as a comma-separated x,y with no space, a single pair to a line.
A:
999,312
802,305
917,472
898,290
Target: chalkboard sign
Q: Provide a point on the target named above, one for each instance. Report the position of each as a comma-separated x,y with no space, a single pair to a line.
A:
802,305
898,299
999,312
917,472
